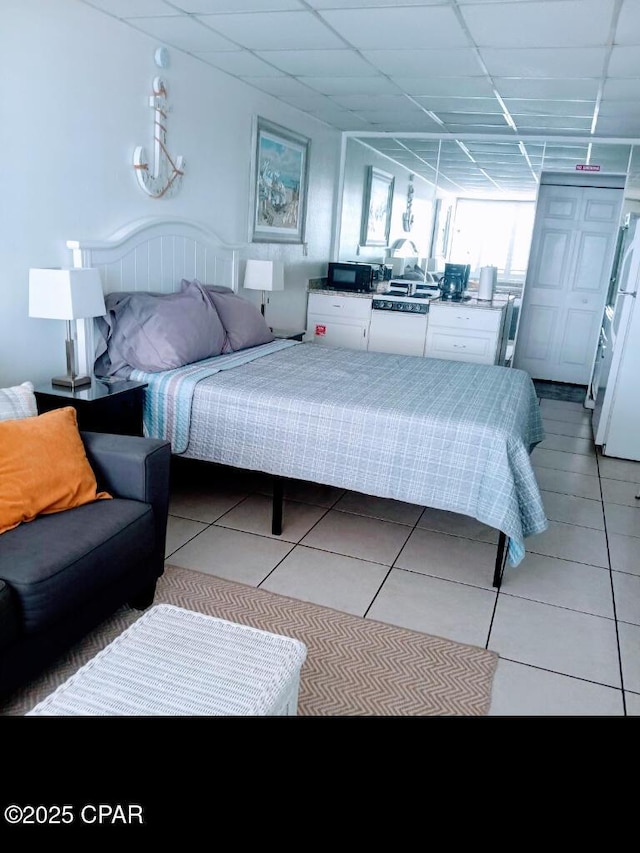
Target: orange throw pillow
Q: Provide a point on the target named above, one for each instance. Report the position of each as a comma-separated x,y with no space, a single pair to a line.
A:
43,467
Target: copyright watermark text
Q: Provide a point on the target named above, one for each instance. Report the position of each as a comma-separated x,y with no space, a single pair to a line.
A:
101,814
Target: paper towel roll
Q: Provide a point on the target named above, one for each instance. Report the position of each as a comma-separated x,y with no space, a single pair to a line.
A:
487,283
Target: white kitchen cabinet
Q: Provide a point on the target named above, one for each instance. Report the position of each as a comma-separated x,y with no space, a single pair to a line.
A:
339,320
469,331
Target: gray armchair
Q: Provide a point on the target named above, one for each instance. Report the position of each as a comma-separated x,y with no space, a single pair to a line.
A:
63,574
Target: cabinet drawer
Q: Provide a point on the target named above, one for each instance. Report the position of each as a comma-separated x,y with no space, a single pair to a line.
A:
475,346
462,318
333,307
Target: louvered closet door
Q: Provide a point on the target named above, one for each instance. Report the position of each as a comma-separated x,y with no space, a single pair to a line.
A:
567,280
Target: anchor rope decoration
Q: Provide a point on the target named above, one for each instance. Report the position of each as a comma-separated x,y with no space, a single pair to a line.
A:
164,177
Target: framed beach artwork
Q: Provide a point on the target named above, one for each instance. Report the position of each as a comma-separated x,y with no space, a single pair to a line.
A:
376,207
279,184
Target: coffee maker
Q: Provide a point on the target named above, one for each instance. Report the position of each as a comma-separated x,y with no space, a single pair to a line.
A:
454,281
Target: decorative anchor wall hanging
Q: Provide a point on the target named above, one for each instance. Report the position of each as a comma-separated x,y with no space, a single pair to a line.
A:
164,175
407,216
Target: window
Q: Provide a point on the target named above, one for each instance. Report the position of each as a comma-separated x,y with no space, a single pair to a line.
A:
493,233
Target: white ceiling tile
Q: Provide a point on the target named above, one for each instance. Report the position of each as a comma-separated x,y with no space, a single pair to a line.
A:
396,104
204,7
484,119
353,4
535,106
629,126
274,30
624,62
628,29
521,87
240,63
456,62
535,123
459,105
545,62
352,85
470,87
316,63
569,23
620,109
281,86
398,27
133,8
621,88
183,32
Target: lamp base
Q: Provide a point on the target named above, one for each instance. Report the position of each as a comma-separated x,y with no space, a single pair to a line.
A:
71,382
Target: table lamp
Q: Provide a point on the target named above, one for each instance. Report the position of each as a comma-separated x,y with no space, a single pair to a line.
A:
264,275
60,294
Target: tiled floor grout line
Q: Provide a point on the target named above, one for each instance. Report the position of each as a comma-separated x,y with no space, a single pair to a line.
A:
613,593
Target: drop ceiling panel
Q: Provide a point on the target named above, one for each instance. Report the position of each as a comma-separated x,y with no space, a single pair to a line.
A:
534,106
352,85
196,7
351,4
456,62
459,105
621,88
628,30
280,86
239,63
134,8
545,62
398,26
534,124
316,63
576,23
567,88
274,30
629,126
469,87
182,32
624,62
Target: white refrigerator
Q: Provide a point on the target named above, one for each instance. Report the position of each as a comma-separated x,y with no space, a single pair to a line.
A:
616,381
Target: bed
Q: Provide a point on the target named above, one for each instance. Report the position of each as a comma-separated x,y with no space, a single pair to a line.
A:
448,435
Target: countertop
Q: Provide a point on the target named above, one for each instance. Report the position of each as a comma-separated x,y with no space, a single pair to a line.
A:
498,302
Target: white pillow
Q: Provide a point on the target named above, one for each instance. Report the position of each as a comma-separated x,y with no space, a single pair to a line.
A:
16,402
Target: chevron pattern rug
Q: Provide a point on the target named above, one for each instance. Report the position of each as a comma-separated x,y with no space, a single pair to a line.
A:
354,666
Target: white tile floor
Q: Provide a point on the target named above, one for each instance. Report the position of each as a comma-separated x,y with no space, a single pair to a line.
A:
565,622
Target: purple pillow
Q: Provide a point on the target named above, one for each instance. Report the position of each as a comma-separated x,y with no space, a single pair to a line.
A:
243,322
153,332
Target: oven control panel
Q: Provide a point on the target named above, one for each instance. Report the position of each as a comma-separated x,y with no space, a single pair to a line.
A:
408,306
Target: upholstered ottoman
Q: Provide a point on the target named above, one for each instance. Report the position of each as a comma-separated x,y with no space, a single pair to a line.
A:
175,662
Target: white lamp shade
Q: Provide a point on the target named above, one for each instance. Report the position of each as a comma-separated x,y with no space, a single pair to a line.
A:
264,275
404,249
58,294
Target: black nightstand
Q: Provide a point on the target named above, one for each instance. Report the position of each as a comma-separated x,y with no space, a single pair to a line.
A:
287,334
114,407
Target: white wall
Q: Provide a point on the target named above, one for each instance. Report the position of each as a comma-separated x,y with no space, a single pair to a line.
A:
75,89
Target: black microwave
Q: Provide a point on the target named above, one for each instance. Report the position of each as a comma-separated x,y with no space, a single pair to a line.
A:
353,276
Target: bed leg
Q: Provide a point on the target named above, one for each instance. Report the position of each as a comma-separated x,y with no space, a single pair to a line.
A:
500,559
276,510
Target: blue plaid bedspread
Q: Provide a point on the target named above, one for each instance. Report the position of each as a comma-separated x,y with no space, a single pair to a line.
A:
444,434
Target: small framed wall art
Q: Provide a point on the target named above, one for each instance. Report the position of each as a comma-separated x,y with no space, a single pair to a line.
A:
376,207
279,184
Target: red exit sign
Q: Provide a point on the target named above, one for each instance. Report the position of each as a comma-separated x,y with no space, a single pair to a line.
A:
587,167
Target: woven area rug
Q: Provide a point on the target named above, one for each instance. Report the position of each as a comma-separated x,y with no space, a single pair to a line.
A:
354,666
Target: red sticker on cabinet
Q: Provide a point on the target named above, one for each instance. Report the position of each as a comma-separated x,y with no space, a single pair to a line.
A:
321,330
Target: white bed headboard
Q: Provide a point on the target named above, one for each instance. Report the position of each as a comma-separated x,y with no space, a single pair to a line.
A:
156,254
153,254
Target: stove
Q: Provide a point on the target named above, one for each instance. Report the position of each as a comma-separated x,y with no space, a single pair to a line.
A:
417,304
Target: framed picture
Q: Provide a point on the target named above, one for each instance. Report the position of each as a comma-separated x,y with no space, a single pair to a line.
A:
279,184
376,208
